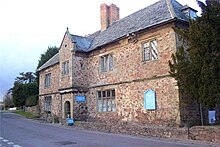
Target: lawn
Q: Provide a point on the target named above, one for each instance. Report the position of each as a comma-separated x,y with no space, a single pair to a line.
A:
26,114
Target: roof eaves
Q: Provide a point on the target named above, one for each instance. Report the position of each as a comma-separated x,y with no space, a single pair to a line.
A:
136,31
45,64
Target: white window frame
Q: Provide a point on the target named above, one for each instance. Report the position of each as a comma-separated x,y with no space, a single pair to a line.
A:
106,101
106,63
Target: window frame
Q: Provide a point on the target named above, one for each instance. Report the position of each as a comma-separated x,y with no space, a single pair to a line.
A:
106,101
150,50
47,103
106,62
65,68
47,80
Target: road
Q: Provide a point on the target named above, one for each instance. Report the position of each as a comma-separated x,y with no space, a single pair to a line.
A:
17,131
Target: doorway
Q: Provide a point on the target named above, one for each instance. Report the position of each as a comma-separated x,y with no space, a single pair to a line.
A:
67,112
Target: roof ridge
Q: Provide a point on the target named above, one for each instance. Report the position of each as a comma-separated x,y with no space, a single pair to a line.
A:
79,36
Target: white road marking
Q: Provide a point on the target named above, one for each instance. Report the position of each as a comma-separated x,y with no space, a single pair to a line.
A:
5,140
10,143
16,145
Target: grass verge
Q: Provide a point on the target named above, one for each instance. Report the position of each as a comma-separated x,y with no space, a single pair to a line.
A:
26,114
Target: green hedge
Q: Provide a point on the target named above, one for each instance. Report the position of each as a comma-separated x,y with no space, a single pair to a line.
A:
31,100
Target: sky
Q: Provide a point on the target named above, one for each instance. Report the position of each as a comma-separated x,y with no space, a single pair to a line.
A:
28,27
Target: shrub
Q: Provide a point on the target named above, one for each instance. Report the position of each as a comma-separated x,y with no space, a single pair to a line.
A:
31,100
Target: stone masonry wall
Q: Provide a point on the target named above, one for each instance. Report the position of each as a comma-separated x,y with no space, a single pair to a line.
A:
34,110
54,80
131,77
80,70
55,105
210,134
78,110
65,55
67,97
52,90
128,61
130,103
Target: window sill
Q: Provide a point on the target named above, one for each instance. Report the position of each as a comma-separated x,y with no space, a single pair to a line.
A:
103,72
147,61
65,75
106,112
47,87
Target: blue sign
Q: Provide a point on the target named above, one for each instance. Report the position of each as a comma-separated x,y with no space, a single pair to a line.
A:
70,121
212,117
150,100
80,98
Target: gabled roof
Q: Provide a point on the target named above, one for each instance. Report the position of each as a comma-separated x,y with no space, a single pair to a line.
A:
52,61
158,13
82,43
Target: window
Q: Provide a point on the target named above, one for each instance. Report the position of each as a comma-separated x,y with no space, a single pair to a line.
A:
106,63
47,80
106,101
150,50
47,103
65,68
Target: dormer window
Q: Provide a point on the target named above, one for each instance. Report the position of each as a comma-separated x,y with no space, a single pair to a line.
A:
189,12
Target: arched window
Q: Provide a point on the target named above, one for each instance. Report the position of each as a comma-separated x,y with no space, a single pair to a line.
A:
150,100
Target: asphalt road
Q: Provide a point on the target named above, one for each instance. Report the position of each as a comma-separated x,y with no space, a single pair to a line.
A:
17,131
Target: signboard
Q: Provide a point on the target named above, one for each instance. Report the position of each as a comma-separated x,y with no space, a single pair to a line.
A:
150,100
80,99
70,121
212,117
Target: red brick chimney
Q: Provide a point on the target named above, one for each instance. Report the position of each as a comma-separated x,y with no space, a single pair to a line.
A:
113,13
108,14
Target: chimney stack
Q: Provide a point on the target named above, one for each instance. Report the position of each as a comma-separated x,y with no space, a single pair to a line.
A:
109,14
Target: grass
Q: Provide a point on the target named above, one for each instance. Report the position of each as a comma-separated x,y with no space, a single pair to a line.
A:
26,114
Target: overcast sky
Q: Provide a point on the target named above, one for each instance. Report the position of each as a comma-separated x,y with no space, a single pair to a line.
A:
28,27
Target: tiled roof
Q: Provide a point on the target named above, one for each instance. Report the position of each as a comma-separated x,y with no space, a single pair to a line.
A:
157,13
82,43
52,61
160,12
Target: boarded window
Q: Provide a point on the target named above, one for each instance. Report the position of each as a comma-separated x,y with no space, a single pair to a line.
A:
150,100
150,50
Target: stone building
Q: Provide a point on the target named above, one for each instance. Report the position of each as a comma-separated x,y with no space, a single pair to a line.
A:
120,73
